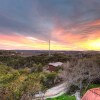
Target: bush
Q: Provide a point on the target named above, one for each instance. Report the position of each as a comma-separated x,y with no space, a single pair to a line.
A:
72,89
96,81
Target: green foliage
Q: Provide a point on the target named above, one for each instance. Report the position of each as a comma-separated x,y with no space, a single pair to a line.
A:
25,70
14,83
48,81
24,75
4,69
37,68
93,86
63,97
7,74
40,60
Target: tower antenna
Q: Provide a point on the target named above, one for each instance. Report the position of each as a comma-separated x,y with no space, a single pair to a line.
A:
49,48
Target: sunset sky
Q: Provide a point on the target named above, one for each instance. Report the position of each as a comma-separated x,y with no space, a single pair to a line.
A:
69,24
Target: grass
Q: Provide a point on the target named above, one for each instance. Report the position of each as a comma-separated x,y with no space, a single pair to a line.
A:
63,97
93,86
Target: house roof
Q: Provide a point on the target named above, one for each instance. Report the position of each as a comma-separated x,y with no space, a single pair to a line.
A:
56,64
92,94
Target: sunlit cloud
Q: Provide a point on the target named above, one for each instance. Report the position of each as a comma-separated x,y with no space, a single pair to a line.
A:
69,24
82,41
17,42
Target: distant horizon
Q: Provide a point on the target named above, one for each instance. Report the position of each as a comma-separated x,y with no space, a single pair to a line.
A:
43,50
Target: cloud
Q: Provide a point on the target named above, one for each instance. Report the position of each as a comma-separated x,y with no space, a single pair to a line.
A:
65,22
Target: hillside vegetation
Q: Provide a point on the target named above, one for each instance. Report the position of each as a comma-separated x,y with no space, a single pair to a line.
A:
22,77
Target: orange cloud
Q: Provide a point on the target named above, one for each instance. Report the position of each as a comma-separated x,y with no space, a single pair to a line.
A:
22,42
82,41
61,40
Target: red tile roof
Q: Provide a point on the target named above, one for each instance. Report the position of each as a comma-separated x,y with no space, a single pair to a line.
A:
92,94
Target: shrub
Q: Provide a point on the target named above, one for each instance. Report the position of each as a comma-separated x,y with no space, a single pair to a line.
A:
72,89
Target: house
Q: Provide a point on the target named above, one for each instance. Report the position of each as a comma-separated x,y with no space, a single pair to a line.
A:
53,66
92,94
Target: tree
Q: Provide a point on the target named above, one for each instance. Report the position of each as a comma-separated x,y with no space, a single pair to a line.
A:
83,69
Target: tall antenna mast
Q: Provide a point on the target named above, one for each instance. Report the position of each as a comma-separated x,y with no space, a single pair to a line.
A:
49,48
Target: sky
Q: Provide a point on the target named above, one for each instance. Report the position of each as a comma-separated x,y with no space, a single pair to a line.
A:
69,24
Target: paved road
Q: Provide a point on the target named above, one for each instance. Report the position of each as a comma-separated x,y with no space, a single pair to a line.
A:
53,92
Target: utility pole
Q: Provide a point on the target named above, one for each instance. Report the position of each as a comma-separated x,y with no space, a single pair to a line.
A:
49,48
